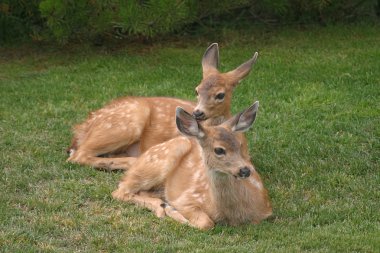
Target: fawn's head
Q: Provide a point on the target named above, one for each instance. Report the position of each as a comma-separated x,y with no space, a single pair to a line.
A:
215,90
220,145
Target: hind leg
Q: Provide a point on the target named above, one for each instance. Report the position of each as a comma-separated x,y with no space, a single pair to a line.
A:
149,172
88,154
100,143
151,169
116,158
107,164
112,129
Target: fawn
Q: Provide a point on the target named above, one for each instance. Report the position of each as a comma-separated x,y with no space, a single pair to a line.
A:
114,135
203,179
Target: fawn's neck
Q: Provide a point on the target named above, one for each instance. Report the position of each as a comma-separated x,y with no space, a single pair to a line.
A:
230,198
223,187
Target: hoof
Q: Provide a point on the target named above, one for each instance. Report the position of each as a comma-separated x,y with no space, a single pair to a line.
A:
120,195
160,213
70,152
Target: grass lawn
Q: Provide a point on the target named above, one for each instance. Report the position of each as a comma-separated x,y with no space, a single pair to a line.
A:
316,142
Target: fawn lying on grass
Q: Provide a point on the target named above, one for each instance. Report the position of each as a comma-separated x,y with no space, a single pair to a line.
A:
113,136
204,179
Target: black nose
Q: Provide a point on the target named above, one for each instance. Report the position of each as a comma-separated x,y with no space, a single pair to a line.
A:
244,172
198,114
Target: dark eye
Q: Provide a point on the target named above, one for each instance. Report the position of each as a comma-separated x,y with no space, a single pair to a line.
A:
196,92
220,151
219,96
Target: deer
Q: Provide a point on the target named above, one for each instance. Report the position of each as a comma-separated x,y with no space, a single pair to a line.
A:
112,137
201,177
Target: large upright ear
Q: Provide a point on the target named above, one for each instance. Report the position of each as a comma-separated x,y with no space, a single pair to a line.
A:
243,70
244,120
187,124
210,60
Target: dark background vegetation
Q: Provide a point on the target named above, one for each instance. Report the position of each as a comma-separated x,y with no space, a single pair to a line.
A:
64,21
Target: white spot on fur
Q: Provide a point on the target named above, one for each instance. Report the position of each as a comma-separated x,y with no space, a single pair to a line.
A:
257,184
196,195
132,106
197,175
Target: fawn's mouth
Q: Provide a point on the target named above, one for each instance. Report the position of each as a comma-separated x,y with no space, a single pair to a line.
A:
199,119
239,177
236,176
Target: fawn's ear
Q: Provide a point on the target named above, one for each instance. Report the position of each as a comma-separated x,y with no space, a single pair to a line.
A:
243,70
210,60
244,120
187,124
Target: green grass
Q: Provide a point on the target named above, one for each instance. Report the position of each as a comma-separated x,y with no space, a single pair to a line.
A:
315,142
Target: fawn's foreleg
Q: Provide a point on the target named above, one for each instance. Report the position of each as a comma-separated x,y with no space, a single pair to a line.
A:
197,218
143,199
174,214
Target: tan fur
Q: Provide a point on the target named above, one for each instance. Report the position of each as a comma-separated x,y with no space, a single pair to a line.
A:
201,187
114,135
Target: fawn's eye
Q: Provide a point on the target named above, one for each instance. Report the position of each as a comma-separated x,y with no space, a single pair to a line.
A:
196,92
219,96
220,151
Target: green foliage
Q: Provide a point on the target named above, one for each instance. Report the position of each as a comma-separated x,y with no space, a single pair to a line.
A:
325,11
214,8
151,18
19,19
80,19
65,20
75,19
